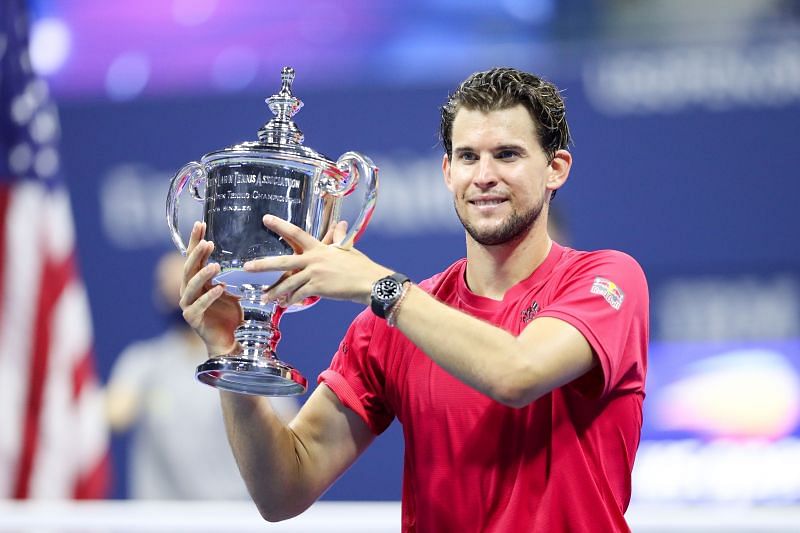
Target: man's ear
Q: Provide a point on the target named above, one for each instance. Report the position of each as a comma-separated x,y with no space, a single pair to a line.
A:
559,170
446,172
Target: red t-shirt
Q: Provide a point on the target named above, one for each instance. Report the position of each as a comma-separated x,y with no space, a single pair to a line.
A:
562,463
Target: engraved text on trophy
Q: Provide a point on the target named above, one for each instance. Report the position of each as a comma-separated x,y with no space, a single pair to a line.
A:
238,196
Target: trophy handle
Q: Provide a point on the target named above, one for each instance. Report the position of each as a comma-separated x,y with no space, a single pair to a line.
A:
192,174
357,167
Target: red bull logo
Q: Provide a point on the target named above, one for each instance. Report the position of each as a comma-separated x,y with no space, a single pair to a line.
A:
609,290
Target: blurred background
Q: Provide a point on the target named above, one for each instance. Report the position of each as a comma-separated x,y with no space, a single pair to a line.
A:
682,114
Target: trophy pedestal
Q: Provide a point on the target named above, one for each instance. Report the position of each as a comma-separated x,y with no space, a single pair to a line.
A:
264,377
254,369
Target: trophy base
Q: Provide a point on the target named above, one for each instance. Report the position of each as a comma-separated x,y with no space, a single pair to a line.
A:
267,377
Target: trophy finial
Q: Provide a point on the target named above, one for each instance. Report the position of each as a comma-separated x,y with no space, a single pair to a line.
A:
281,129
287,77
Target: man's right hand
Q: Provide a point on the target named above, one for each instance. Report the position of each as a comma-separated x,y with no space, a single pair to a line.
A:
209,309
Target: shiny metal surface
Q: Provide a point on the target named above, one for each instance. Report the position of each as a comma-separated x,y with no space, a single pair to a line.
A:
260,376
240,184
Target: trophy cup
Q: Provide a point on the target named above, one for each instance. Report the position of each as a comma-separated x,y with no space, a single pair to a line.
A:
240,184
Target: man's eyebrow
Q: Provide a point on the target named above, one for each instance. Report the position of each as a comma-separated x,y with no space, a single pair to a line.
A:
517,147
468,149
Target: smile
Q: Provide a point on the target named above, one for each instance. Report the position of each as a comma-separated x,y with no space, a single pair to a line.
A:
487,202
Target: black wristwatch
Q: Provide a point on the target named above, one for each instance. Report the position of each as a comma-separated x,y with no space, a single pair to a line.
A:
385,293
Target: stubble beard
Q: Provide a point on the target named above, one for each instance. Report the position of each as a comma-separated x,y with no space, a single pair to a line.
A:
513,227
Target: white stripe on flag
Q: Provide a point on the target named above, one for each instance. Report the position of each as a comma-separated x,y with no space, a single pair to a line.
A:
61,452
22,270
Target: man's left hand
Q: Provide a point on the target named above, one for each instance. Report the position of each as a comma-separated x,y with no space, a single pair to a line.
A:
317,268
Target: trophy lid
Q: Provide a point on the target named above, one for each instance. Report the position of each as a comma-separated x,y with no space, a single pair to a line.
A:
281,129
280,135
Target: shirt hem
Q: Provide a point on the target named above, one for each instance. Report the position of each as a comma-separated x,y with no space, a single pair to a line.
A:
342,389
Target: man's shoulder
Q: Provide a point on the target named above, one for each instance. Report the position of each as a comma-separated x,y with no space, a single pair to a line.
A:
601,260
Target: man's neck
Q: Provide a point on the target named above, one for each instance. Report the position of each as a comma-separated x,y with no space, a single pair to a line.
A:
492,270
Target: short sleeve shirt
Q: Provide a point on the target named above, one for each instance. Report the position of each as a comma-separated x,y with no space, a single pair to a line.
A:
562,463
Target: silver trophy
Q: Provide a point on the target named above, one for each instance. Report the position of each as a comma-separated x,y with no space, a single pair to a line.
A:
240,184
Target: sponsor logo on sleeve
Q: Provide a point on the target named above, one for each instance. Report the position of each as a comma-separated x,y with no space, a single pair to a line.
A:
609,290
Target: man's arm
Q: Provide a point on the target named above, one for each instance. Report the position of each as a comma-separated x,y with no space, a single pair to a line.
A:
514,370
286,467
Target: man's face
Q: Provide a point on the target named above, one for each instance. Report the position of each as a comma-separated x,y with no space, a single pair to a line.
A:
498,174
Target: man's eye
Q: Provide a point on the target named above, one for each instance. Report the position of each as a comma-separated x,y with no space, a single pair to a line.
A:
507,154
468,156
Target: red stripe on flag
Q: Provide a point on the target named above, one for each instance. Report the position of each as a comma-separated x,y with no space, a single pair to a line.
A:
82,373
54,278
96,481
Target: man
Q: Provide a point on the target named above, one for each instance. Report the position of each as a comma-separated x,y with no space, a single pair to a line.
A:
518,373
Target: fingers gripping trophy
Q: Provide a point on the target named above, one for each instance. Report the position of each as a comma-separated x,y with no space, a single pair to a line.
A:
275,175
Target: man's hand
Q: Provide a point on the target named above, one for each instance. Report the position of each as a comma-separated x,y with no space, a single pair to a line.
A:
210,310
317,268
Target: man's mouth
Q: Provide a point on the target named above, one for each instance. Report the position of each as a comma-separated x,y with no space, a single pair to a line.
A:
487,202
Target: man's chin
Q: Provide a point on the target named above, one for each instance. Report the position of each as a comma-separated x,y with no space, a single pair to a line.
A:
495,237
503,232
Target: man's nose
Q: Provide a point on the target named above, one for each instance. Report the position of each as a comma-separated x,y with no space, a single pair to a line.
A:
486,176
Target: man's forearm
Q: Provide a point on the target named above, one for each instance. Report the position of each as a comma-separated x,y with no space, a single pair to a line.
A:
287,467
266,453
479,354
513,370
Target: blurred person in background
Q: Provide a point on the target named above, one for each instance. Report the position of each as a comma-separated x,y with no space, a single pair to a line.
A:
179,449
517,373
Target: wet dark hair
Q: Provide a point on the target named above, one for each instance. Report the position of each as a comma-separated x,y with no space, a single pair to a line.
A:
505,87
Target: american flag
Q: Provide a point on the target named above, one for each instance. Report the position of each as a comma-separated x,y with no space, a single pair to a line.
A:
53,435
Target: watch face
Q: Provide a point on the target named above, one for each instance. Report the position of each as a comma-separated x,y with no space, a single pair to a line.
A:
387,289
